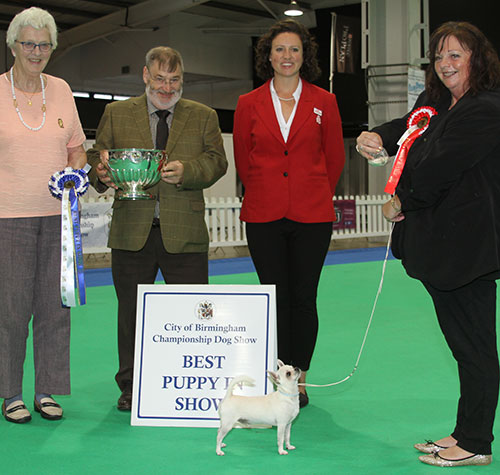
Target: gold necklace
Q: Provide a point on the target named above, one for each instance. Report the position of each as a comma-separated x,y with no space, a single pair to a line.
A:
29,99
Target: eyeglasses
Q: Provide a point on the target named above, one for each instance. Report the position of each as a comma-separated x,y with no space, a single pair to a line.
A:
163,80
29,46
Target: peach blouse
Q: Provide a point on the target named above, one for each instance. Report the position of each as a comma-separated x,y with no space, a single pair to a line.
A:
29,158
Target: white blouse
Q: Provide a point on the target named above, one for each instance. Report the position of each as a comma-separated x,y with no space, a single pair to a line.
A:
285,126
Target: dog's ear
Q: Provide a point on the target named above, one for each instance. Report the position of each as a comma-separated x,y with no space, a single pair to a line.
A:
280,364
274,377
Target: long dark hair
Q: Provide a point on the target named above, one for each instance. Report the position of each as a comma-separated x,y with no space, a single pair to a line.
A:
309,70
484,66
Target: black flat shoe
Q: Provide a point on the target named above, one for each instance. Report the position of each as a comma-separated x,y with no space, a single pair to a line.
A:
125,400
303,400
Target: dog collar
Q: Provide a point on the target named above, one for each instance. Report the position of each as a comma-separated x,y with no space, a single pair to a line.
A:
287,394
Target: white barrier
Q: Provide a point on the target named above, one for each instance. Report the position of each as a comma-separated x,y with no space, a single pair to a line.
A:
225,228
370,221
222,216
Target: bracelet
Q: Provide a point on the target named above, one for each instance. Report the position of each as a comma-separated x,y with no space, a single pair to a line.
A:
393,204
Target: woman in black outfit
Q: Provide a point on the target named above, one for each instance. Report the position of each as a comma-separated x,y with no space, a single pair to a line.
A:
446,207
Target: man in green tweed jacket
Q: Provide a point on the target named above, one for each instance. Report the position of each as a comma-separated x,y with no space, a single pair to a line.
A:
168,233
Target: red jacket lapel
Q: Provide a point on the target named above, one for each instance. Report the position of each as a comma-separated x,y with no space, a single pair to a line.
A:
303,110
265,110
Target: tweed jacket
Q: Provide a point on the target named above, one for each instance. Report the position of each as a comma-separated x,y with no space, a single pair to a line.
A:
195,140
450,192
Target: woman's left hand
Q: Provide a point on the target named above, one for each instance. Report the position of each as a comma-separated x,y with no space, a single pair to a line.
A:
392,210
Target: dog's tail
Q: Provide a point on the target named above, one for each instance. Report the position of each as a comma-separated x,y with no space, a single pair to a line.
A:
239,380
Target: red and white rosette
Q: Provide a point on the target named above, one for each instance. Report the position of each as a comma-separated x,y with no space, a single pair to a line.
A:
417,124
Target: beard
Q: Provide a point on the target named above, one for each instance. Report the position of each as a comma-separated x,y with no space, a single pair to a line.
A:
161,103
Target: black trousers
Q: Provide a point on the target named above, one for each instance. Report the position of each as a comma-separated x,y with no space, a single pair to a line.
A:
130,268
467,317
291,255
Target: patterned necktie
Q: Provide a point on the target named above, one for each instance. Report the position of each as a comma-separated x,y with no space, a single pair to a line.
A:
162,129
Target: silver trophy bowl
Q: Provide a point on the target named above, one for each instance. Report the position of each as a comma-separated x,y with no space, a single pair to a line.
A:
133,170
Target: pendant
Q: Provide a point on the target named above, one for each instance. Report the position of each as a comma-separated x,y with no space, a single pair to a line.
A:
29,103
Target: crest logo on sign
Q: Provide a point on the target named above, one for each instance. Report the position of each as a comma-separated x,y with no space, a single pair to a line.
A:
205,310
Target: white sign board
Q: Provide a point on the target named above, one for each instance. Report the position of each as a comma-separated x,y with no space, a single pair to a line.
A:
191,340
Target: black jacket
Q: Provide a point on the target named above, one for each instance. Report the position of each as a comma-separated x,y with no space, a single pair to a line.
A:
450,192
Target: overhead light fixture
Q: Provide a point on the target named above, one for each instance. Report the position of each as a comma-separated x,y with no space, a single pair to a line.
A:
293,9
106,97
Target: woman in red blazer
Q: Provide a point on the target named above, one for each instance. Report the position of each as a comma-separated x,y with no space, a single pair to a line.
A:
289,155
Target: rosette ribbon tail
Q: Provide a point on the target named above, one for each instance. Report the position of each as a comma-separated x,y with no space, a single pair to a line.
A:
418,122
68,185
399,163
72,277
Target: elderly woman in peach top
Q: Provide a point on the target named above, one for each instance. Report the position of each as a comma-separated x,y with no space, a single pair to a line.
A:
40,134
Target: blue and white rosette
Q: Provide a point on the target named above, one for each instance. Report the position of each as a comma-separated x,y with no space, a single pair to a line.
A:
67,185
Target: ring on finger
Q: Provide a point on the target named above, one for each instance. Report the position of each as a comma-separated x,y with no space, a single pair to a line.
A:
359,148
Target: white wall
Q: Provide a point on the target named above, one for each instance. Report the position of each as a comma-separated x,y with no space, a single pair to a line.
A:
226,186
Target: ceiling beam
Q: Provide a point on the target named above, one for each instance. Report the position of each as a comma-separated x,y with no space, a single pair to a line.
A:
113,3
237,9
53,8
301,4
136,15
6,19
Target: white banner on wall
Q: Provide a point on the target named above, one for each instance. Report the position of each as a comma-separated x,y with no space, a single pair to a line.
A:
191,340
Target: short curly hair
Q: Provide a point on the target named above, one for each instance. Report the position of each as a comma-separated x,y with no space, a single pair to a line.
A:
484,66
36,18
309,70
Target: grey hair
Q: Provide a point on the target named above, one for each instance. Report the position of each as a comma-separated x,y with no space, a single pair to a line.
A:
36,18
165,56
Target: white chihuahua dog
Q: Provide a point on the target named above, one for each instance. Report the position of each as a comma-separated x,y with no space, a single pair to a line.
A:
279,408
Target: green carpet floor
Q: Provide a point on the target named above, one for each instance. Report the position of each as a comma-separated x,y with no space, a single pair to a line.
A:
404,391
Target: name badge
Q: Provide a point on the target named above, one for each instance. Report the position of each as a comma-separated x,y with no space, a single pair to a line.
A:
318,113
